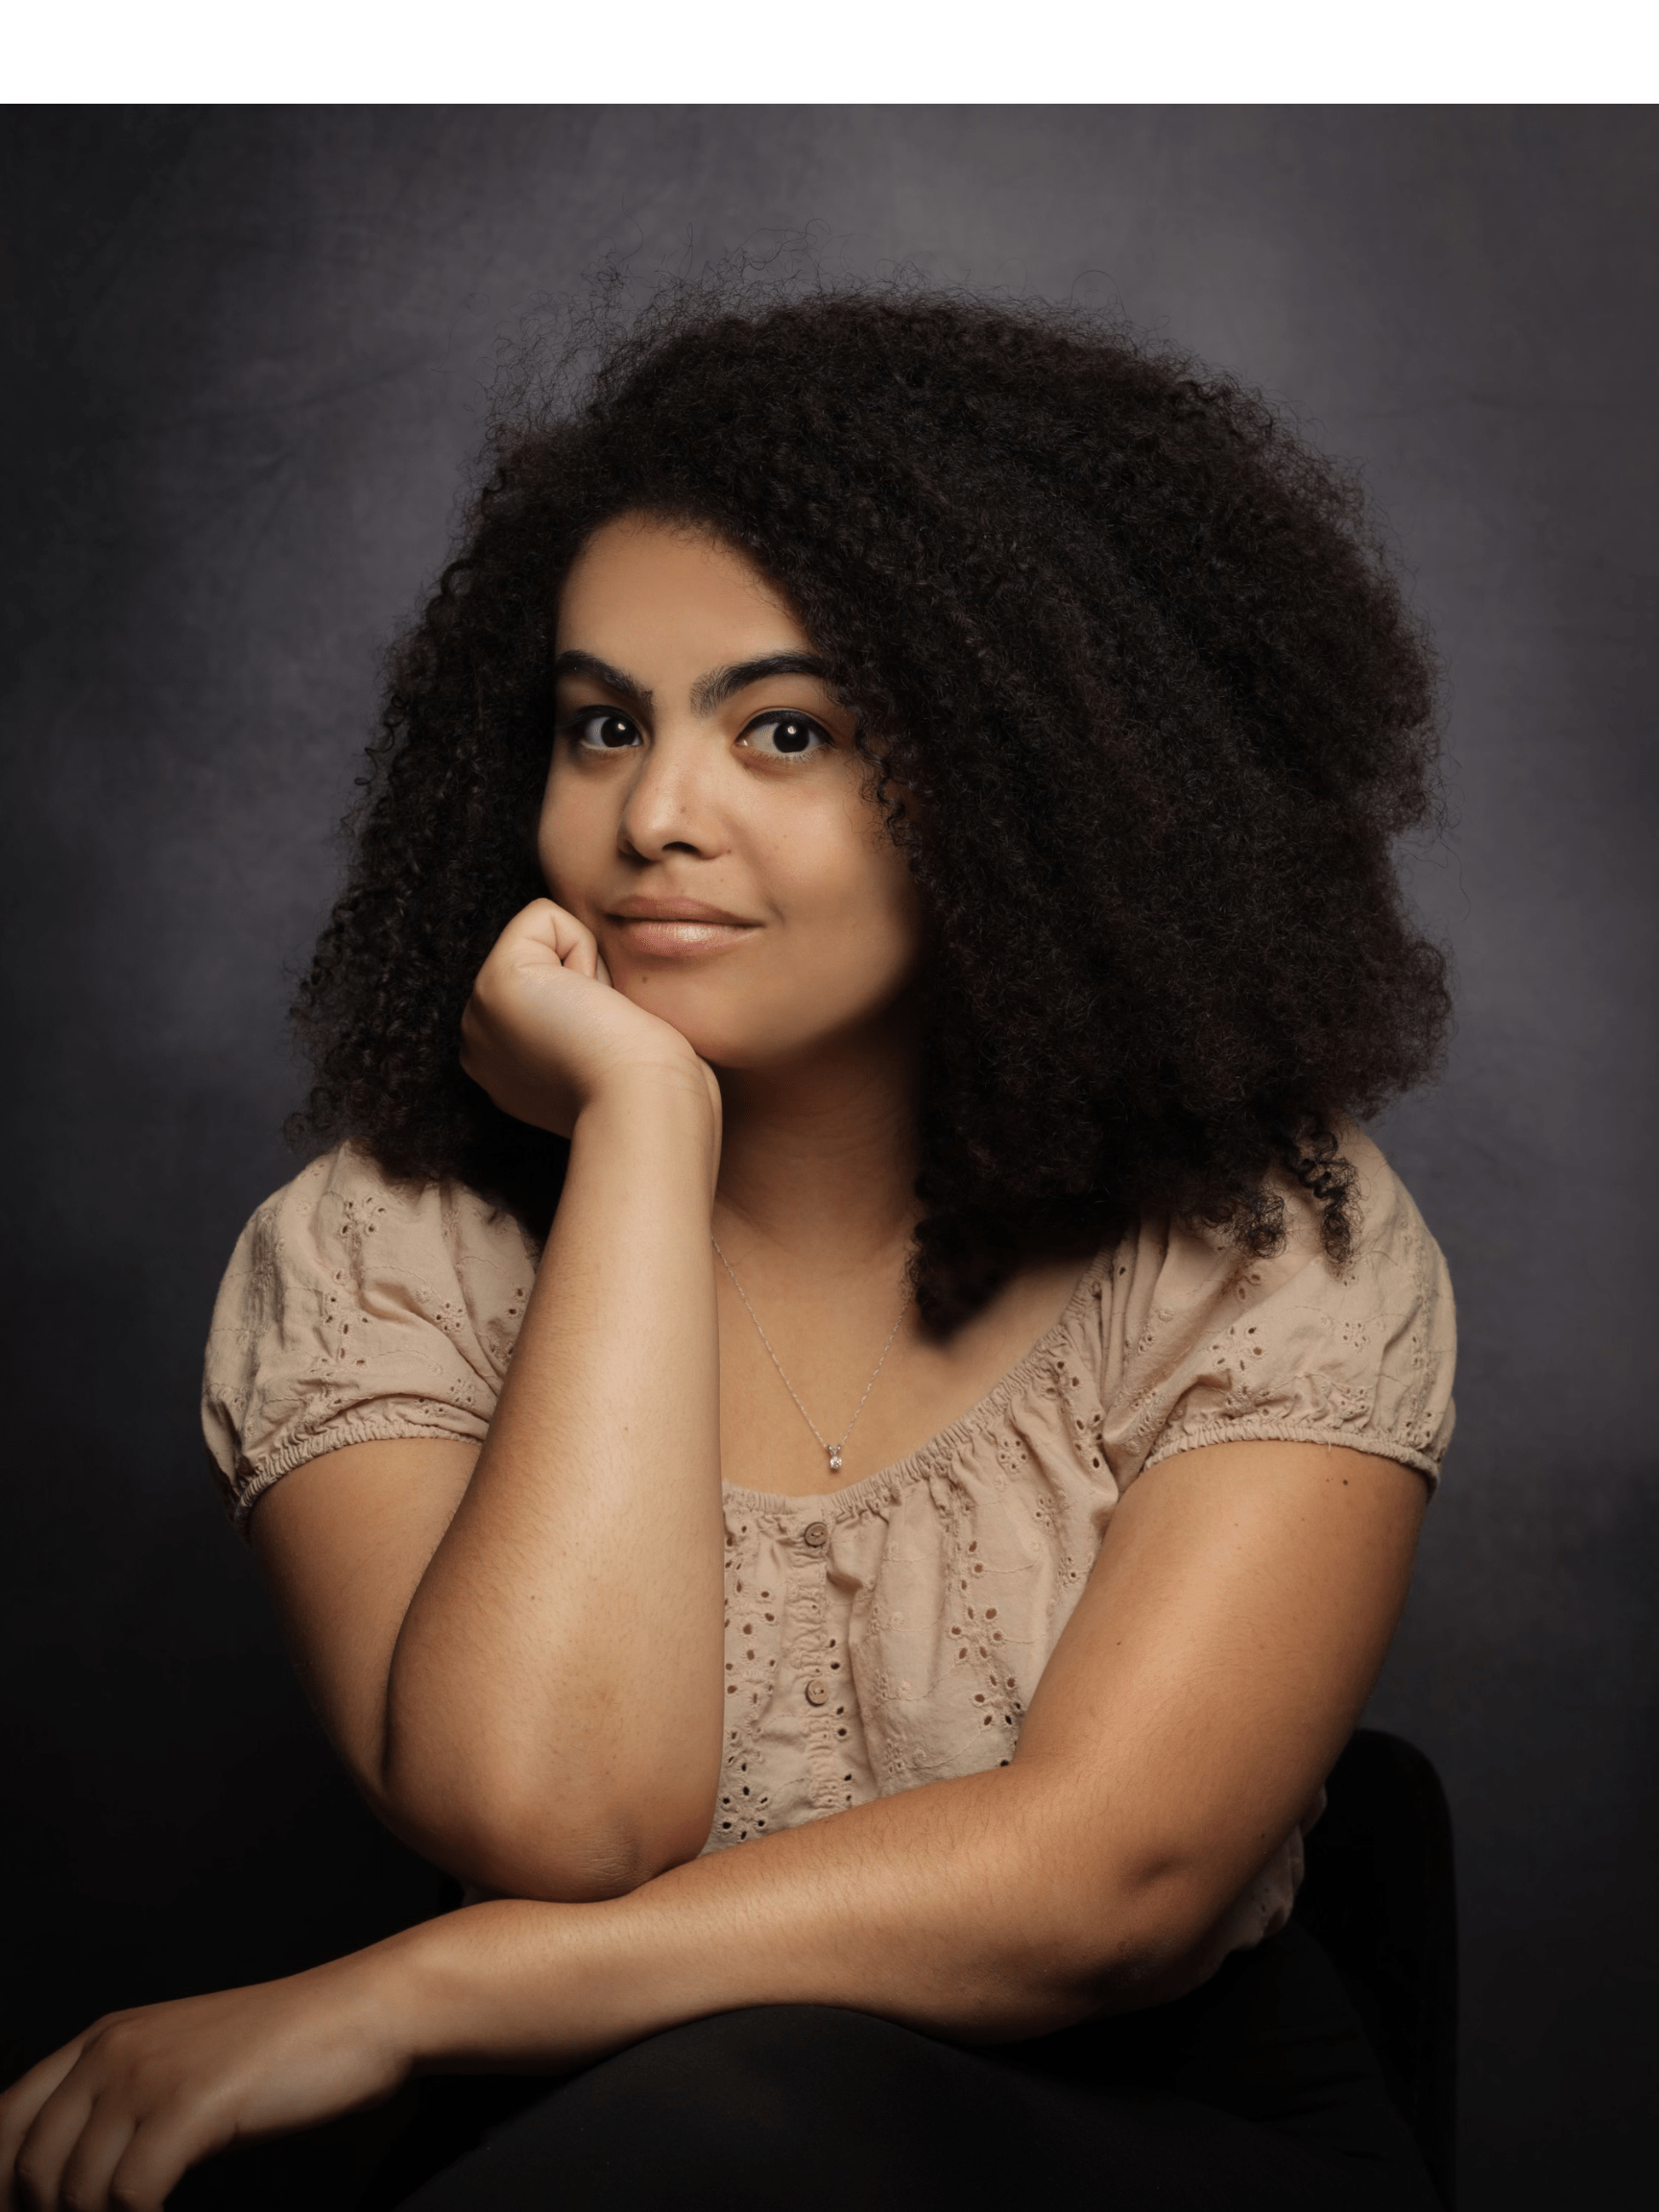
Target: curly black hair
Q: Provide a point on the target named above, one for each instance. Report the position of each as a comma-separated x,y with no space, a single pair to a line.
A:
1141,698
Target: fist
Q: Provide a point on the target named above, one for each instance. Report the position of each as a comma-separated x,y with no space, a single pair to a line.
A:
545,1034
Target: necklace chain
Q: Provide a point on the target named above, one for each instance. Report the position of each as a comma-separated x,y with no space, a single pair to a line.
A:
834,1451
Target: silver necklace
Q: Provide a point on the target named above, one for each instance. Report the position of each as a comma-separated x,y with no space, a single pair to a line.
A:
834,1451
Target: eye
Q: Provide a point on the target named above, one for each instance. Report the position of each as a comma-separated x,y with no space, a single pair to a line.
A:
785,736
602,730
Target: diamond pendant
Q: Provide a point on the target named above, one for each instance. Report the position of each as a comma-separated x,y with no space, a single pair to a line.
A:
834,1458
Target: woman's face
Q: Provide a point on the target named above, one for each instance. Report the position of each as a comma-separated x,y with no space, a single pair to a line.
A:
704,813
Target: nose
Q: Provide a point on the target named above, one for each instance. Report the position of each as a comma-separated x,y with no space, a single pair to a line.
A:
672,803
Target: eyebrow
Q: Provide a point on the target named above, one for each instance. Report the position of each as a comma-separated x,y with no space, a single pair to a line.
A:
709,692
599,671
722,684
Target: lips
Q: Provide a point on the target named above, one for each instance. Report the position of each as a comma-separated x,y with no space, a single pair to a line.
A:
676,928
672,939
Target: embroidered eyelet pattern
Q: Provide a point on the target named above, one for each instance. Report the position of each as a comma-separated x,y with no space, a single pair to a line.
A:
895,1632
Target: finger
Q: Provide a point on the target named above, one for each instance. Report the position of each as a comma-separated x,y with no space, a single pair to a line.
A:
97,2152
572,942
156,2155
46,2148
578,946
20,2104
602,973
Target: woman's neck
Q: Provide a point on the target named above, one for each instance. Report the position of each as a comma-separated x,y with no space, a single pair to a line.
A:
819,1156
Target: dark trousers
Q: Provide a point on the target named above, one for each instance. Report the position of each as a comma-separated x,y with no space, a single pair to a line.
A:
1258,2090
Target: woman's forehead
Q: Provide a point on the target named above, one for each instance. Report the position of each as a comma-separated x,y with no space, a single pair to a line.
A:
643,584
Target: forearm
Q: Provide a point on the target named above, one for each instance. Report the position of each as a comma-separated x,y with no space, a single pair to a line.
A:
553,1701
914,1909
975,1908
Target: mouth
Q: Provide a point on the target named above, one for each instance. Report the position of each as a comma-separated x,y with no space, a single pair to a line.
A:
676,928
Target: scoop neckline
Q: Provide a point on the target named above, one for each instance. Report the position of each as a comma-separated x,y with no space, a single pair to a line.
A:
847,1502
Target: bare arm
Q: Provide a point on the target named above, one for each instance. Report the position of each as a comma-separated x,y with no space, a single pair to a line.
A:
1230,1633
520,1658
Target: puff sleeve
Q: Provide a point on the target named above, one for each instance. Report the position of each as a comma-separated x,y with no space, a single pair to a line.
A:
355,1309
1213,1347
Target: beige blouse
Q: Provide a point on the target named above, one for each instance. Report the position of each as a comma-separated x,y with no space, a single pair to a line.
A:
893,1632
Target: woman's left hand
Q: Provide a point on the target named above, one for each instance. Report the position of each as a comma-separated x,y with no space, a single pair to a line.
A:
109,2122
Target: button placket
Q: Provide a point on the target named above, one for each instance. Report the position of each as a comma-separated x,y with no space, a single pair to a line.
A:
815,1666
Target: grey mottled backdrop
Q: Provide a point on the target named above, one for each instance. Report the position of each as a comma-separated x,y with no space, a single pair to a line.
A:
246,353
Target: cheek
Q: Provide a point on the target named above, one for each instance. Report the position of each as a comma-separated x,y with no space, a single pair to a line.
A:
890,919
571,840
859,917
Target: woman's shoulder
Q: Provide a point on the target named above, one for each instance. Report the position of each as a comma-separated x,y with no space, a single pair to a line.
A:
1204,1343
1390,1253
345,1213
359,1305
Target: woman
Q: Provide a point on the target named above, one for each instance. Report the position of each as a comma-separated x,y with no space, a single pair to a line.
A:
895,799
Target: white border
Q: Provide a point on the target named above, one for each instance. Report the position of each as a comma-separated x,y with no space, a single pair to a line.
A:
632,53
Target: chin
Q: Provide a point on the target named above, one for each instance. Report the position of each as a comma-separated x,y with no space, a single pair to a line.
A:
724,1035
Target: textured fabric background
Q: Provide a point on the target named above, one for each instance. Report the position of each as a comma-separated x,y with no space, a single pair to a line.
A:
246,355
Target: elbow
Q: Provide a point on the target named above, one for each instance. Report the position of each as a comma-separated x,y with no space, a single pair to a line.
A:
575,1865
1167,1934
514,1844
1106,1940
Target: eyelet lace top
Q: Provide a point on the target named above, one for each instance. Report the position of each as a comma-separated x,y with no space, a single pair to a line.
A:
890,1633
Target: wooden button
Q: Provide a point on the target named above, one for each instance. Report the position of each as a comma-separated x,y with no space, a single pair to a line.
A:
816,1533
817,1693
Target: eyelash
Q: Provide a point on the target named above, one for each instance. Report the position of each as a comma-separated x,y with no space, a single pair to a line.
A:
575,725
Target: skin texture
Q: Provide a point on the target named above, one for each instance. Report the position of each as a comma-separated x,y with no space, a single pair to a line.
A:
518,1655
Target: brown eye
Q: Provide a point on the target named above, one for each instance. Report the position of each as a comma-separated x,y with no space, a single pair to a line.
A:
785,736
601,730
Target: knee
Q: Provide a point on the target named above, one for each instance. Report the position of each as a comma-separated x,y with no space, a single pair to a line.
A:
739,2101
766,2059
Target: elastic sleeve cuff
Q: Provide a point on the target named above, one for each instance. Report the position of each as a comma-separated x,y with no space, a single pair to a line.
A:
1264,1428
250,1482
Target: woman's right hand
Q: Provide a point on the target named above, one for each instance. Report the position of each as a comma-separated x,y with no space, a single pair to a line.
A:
109,2122
544,1032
